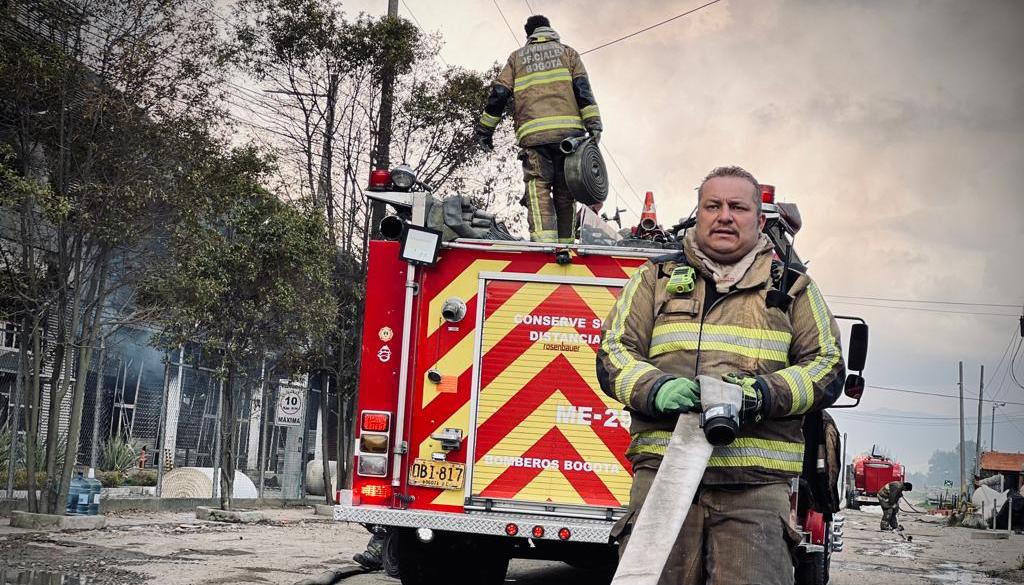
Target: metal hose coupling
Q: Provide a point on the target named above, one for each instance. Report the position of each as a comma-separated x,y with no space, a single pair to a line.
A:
721,402
585,173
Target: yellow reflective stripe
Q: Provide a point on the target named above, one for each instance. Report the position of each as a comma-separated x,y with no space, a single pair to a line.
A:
763,344
630,369
590,112
544,236
534,201
542,77
754,452
565,240
549,123
801,379
489,121
649,442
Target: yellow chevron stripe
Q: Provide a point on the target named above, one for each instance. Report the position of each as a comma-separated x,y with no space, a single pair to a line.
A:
463,286
454,363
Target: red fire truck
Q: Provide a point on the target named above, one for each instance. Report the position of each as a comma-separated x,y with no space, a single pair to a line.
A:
482,431
867,475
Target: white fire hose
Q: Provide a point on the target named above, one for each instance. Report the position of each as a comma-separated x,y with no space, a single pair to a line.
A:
661,518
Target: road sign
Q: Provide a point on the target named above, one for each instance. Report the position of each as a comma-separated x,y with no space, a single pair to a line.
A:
290,403
948,483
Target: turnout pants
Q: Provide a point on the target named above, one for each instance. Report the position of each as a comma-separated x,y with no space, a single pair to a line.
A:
889,512
550,208
732,535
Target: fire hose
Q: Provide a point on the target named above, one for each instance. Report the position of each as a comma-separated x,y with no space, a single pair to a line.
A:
675,485
585,173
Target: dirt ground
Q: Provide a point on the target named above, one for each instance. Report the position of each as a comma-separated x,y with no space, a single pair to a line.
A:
176,549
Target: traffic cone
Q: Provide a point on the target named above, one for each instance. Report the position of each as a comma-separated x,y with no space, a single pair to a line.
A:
649,216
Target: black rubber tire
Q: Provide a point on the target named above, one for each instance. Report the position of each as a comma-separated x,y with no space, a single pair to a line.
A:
389,555
852,503
810,570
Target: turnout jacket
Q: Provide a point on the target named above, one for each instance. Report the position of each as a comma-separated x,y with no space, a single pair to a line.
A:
551,94
788,340
890,493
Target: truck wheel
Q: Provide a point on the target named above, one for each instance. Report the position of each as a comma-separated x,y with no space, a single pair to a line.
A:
852,503
435,562
389,555
810,570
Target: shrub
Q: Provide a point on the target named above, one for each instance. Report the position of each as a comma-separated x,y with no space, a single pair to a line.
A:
142,478
110,479
117,455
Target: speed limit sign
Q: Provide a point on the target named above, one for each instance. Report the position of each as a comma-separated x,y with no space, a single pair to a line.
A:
290,403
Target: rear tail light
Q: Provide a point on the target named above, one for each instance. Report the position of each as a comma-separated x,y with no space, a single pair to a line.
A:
538,532
380,179
375,493
511,529
374,443
375,421
564,534
767,193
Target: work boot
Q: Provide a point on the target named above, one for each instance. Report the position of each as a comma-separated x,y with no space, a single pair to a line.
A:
368,560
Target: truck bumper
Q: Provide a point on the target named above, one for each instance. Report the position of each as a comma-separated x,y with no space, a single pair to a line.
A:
490,523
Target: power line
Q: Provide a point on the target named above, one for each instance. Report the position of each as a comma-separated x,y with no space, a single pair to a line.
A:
841,302
904,390
628,184
1019,430
419,26
530,8
643,30
922,301
1013,364
998,386
515,39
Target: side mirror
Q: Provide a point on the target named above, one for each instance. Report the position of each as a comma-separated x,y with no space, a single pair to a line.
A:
854,386
858,353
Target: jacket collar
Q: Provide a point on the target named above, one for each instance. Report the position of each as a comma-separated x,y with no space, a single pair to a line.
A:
759,273
543,34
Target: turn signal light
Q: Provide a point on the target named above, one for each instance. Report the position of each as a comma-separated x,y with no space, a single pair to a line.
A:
511,529
538,532
378,422
564,534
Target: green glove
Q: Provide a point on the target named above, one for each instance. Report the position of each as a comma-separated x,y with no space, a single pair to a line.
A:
678,395
753,397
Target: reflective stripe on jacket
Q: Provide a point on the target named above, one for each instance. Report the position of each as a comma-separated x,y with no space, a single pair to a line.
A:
550,91
652,336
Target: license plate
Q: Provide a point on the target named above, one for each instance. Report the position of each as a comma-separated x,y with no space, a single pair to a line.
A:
445,475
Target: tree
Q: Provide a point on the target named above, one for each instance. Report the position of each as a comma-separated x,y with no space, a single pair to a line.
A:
247,273
320,73
943,465
96,104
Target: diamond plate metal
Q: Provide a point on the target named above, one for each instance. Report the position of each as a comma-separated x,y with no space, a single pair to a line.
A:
596,531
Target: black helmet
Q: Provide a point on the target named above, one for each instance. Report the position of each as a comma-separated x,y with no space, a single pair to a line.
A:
908,487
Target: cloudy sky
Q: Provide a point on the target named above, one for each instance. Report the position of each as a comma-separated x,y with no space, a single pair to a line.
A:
897,126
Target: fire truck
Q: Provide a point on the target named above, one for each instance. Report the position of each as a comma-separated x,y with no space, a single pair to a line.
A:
867,475
482,432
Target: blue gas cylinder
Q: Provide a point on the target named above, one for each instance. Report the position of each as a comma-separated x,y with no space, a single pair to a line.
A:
78,496
94,487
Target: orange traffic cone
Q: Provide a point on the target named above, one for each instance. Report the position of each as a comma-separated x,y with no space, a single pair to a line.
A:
649,216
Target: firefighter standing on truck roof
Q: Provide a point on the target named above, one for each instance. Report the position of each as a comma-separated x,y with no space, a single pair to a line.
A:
889,499
552,101
781,346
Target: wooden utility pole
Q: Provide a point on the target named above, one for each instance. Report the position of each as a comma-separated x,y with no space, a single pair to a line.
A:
382,156
963,465
981,396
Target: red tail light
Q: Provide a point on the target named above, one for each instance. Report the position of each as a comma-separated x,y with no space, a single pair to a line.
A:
511,529
538,532
375,492
564,534
380,179
375,421
767,193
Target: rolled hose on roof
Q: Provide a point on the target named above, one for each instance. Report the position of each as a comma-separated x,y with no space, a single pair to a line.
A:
585,173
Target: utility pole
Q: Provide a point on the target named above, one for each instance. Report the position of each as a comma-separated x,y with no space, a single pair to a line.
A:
325,193
963,465
382,158
977,446
992,428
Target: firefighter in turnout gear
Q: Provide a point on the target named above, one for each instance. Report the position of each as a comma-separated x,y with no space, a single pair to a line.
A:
889,499
735,322
552,100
